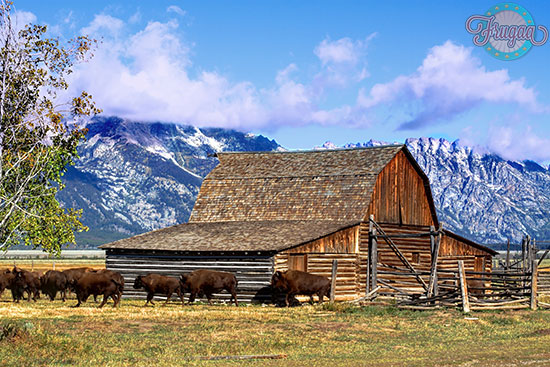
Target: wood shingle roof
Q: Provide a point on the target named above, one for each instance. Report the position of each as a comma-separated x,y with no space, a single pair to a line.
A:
265,236
334,185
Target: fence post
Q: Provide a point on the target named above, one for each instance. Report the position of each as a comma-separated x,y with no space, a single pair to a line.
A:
434,246
333,279
32,265
463,287
534,285
374,260
508,254
53,265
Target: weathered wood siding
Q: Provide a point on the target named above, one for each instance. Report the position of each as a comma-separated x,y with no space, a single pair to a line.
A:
316,258
399,195
253,272
345,241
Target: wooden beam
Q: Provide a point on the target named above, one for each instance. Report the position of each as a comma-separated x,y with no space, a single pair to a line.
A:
508,254
534,281
463,287
542,257
374,260
333,279
434,246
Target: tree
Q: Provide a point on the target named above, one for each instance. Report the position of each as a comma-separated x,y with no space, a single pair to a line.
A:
38,134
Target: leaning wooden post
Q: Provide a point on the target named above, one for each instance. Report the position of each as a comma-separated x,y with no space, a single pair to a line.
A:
534,285
333,279
463,287
434,246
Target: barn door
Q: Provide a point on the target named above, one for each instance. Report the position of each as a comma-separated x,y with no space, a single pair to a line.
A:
297,262
479,264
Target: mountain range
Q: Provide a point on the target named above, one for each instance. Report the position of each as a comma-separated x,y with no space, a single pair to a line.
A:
134,177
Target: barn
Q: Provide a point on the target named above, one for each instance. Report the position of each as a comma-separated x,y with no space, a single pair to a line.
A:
258,212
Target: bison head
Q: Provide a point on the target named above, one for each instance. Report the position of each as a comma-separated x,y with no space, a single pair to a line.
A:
184,282
138,283
277,280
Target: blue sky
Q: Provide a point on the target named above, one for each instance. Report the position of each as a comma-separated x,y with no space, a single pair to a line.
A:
306,72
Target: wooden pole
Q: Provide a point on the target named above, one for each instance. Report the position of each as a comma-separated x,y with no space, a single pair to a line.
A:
508,254
434,246
333,279
32,265
463,287
523,253
53,265
542,257
374,260
534,285
369,257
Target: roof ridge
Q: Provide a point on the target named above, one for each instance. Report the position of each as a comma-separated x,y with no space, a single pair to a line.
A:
310,150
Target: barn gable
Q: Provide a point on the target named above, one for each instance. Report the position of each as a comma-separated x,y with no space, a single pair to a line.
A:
334,185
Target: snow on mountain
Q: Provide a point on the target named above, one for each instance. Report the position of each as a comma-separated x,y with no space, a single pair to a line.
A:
134,177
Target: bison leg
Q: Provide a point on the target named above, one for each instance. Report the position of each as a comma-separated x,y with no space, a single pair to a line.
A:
233,297
168,297
209,298
105,299
311,299
192,297
180,295
150,296
287,299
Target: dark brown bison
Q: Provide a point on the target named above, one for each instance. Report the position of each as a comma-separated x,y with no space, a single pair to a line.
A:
96,283
54,281
208,282
156,283
25,281
6,278
73,275
296,282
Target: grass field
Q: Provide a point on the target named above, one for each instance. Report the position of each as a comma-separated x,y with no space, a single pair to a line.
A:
55,334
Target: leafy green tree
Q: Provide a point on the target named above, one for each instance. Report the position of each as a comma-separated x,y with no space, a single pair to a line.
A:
38,134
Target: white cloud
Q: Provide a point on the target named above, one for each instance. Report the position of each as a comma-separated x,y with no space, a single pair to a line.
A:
103,25
449,81
147,76
343,61
175,9
22,18
519,143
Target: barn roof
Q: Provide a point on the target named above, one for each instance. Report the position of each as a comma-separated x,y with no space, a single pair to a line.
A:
265,236
334,185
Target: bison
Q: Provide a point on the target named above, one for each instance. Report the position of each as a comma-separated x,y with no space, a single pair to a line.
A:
52,282
296,282
208,282
73,275
156,283
25,281
6,278
107,283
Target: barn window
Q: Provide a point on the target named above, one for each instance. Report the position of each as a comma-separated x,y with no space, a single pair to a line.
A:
416,257
298,262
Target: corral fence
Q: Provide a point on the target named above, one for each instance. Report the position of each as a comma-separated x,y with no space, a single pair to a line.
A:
514,285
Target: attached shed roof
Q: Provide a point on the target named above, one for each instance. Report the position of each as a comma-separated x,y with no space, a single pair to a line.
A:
333,185
470,242
266,236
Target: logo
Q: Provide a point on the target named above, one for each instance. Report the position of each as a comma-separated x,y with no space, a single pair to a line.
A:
506,31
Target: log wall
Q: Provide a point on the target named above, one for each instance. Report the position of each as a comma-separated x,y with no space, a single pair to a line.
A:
253,272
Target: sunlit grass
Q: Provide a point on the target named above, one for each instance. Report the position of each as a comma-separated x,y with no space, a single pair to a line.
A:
319,335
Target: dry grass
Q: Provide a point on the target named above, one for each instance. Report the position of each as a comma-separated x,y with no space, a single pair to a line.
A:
320,335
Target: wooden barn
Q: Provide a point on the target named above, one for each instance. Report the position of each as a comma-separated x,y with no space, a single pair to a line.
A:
258,212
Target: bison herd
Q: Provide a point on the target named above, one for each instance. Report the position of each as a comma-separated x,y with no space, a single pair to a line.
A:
86,282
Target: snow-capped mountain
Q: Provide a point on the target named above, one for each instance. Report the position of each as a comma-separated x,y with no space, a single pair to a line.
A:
135,177
480,195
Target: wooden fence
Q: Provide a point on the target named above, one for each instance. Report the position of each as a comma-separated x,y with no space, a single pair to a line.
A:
515,286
